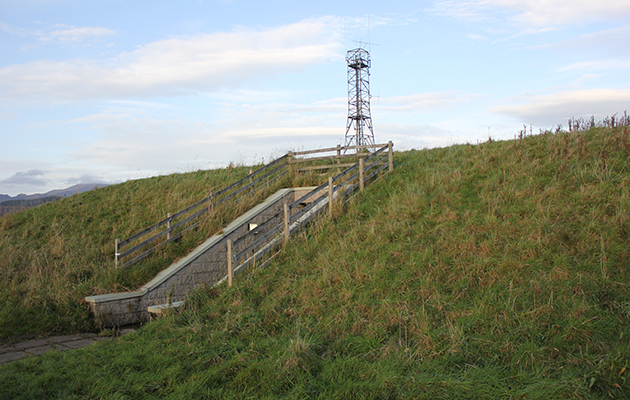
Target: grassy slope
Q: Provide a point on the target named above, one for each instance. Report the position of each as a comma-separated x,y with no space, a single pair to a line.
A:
54,255
492,271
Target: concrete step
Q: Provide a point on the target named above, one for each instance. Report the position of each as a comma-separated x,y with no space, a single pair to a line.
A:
163,308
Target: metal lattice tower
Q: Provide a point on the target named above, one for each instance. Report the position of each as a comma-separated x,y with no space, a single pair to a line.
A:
359,130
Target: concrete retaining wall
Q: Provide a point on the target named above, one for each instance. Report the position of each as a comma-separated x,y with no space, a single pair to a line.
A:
206,264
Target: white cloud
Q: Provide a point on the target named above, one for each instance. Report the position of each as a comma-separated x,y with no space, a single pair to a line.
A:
155,141
610,42
554,12
547,110
424,102
58,33
465,10
415,136
536,12
475,36
33,177
179,66
75,34
597,65
7,115
85,178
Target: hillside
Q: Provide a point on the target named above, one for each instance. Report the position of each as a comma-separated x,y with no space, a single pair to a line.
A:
54,255
9,206
498,270
22,202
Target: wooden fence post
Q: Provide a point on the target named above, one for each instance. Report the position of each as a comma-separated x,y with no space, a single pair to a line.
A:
286,222
338,158
169,226
289,161
251,178
230,272
210,202
116,252
391,156
361,183
330,196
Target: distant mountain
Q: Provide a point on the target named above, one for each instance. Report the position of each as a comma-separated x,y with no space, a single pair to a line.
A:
9,206
20,202
80,188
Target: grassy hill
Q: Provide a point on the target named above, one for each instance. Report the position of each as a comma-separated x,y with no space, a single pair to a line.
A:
9,206
498,270
54,255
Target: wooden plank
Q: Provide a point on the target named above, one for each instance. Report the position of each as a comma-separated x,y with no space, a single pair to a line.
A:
140,257
230,273
330,196
142,233
361,182
187,209
249,185
344,173
260,227
160,223
195,215
259,254
301,153
235,184
336,157
369,146
331,158
286,223
378,161
272,233
142,244
308,207
316,167
307,195
116,252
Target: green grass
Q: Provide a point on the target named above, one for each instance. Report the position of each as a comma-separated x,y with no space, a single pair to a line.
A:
498,271
53,256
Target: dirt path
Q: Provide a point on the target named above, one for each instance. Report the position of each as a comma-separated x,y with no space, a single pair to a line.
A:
37,347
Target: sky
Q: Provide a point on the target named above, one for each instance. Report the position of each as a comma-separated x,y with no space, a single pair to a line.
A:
108,91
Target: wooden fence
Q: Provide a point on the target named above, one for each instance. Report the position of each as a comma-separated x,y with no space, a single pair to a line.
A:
253,250
361,167
175,225
338,159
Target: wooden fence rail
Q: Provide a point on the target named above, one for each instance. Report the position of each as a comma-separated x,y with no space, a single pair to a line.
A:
338,155
363,166
235,192
251,249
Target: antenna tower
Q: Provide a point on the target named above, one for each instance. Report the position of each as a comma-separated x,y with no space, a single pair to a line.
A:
359,130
